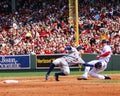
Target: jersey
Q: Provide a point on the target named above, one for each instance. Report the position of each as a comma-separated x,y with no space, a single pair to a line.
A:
105,49
73,57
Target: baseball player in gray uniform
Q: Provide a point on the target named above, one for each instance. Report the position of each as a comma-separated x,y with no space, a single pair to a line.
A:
72,58
98,65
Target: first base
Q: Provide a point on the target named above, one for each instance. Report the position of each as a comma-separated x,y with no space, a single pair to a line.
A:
10,81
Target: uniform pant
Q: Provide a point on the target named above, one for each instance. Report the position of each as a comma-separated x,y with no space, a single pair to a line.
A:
94,71
62,63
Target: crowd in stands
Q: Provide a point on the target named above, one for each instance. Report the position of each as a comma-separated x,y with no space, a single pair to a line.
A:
42,26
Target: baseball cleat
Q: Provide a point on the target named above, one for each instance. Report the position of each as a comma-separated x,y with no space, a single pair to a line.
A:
107,77
46,77
81,78
56,77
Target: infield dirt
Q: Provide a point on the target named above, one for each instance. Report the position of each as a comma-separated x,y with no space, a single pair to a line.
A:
67,86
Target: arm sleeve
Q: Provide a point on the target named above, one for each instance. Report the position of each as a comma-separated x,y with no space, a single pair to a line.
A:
105,54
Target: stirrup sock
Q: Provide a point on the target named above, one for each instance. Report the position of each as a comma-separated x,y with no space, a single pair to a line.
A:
50,68
60,73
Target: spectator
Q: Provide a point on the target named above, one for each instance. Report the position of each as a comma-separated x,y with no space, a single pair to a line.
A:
43,28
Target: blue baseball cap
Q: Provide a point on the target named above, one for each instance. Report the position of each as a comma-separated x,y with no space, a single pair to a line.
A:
67,48
80,48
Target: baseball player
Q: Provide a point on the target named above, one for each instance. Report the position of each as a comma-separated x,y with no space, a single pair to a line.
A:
72,58
98,65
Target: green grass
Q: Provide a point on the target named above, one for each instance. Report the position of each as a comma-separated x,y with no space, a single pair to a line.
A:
25,73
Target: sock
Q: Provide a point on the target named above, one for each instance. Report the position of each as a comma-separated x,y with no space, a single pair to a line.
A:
60,73
57,75
50,68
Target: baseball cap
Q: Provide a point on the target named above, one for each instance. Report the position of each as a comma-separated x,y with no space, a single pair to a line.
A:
67,48
80,48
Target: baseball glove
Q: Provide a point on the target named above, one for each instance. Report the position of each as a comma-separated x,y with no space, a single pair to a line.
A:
98,65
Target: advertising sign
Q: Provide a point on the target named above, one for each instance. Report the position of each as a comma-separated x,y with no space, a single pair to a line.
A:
43,61
15,62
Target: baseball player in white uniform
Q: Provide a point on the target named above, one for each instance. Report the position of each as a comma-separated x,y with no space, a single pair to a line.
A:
72,58
98,65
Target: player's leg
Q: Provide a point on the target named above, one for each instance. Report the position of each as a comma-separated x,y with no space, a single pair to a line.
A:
95,73
57,74
65,70
52,65
85,75
88,66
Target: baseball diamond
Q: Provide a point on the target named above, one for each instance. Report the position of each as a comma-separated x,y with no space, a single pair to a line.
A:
59,47
68,86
